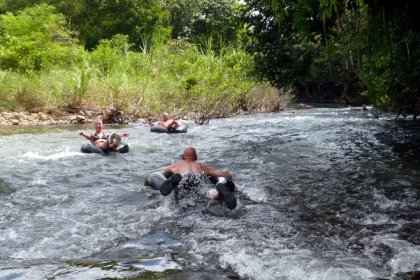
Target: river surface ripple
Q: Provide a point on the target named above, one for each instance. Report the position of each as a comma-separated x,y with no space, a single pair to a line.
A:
324,193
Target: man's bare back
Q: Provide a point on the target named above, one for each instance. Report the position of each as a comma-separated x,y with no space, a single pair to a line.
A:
189,164
189,170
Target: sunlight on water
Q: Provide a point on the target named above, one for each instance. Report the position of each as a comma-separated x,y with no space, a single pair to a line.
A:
69,273
157,264
406,260
293,265
299,118
255,193
56,156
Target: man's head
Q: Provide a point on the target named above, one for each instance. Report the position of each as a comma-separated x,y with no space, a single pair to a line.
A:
165,117
189,153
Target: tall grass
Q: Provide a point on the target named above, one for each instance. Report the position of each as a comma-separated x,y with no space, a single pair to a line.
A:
177,77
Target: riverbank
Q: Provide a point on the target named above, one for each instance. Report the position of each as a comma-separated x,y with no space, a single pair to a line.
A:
25,118
51,117
56,117
264,99
83,115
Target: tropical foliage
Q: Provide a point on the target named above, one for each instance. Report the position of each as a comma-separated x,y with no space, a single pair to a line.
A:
36,39
43,67
337,49
153,55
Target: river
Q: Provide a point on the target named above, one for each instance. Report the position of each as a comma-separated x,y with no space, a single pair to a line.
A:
323,193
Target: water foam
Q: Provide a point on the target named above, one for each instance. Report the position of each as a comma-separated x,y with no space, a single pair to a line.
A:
299,118
406,255
291,265
56,156
159,264
406,260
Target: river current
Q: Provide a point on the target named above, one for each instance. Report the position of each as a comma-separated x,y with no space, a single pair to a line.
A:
323,193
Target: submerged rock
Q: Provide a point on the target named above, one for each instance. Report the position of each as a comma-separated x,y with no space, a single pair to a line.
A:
5,187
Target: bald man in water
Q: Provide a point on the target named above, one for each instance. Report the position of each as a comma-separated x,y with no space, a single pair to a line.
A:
170,124
188,173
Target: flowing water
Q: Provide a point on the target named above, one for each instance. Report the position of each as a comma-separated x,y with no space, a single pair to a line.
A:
323,193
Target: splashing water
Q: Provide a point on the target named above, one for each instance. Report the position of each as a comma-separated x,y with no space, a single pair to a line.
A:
323,193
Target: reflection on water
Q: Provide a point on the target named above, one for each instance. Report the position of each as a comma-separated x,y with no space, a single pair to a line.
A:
324,193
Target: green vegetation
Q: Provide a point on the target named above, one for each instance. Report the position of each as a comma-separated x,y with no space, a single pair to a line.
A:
207,58
44,67
337,49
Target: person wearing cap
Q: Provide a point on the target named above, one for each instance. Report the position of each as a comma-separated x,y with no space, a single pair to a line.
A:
188,173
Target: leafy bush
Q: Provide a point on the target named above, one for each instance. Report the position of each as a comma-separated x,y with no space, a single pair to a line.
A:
109,53
36,39
177,78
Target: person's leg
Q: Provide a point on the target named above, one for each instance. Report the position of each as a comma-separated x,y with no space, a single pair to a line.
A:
170,184
225,189
114,141
231,186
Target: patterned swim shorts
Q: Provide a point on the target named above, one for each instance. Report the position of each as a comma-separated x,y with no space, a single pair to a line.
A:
194,183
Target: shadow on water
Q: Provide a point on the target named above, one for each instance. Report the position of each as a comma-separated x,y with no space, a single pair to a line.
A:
5,188
403,142
323,193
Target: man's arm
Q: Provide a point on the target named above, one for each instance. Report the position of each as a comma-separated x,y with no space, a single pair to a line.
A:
169,168
217,172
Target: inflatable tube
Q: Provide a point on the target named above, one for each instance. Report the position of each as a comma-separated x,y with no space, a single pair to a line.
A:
161,129
92,149
156,179
122,149
224,186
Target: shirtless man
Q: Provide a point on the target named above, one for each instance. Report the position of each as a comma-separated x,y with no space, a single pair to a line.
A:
168,123
188,172
100,139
